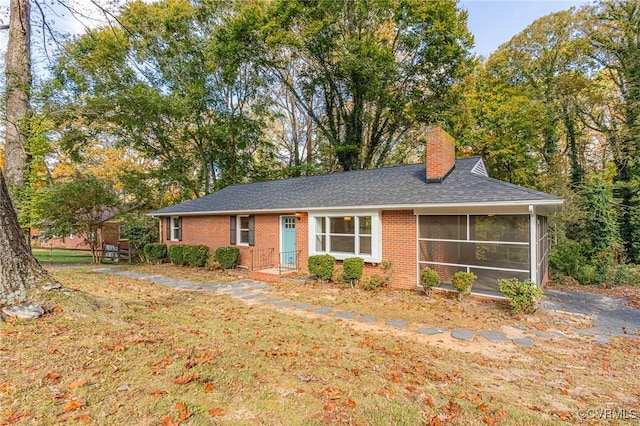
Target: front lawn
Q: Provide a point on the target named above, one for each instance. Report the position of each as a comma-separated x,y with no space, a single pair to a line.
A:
45,256
123,351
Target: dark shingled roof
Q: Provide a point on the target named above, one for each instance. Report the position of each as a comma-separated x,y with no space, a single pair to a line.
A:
387,187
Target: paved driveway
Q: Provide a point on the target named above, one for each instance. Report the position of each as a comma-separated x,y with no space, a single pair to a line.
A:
611,315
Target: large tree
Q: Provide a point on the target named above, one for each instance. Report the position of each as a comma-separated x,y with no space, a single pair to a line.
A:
19,270
176,83
18,87
616,42
378,68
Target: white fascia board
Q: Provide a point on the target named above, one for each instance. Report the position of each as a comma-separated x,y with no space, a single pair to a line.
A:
551,205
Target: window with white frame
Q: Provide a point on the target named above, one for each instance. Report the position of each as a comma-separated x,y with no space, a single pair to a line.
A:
175,228
346,235
242,230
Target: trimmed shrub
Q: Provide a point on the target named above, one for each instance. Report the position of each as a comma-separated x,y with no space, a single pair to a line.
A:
463,281
374,282
227,257
155,252
429,279
524,296
196,255
322,266
176,254
353,268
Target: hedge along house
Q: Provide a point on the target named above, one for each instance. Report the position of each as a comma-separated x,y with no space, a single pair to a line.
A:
446,214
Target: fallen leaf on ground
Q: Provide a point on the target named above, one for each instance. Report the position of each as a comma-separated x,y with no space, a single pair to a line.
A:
54,377
184,379
208,387
84,418
78,383
72,405
216,412
168,421
14,417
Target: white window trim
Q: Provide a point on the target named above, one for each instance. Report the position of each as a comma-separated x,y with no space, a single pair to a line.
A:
376,234
173,220
239,229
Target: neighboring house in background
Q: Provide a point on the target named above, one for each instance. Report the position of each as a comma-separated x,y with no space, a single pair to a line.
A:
446,214
108,233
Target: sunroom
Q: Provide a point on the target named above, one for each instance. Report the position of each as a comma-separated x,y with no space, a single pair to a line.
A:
493,246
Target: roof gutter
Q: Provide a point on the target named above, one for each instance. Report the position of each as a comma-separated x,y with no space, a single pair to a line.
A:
549,204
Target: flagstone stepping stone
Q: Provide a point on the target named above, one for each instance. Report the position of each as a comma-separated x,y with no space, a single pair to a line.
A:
367,319
284,303
322,310
345,315
461,334
270,300
494,336
526,341
431,330
251,296
397,324
303,307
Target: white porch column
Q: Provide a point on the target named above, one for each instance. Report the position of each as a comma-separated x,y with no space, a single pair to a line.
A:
533,245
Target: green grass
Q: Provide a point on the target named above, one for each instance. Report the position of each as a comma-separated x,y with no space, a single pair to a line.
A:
61,256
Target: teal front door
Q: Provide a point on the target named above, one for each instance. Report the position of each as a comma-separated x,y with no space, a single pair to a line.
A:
288,241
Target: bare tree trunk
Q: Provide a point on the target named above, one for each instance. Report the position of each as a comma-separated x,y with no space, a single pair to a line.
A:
18,74
19,270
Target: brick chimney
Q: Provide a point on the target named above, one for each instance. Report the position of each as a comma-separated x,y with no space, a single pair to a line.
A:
440,154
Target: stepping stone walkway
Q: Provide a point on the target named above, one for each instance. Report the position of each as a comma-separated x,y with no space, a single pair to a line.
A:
397,324
430,331
494,336
611,318
462,334
525,341
345,315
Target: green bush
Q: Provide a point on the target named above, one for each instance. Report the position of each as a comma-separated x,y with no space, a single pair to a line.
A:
322,266
463,281
566,257
627,275
374,282
353,268
429,279
196,255
227,257
140,232
176,254
523,296
155,252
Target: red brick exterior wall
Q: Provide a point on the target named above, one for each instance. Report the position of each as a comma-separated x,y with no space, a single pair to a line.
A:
108,233
399,247
398,241
213,231
440,153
